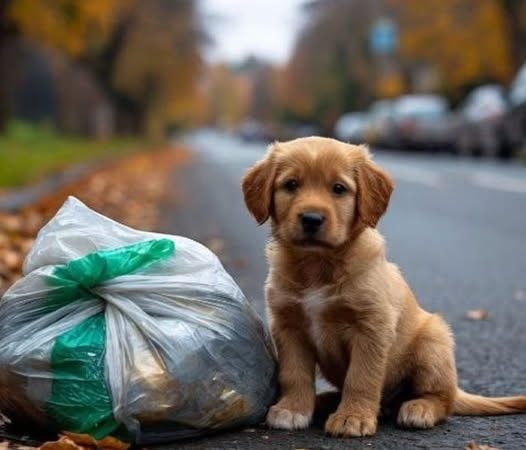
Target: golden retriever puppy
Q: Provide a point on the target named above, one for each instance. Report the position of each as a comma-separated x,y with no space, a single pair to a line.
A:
335,302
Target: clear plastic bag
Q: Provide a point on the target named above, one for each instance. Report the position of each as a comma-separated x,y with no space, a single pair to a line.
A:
138,335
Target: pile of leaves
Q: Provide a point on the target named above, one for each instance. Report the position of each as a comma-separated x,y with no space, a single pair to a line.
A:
71,441
131,190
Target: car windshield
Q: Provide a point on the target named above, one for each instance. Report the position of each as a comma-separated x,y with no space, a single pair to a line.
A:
381,109
420,107
485,101
352,120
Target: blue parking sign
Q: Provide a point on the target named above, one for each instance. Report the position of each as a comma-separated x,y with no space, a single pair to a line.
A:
383,36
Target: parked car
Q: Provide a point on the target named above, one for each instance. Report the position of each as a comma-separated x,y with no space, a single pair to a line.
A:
477,127
419,122
257,131
379,115
304,130
518,88
351,127
514,122
252,131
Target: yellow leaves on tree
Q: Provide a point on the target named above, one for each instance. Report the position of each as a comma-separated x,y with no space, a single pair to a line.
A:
465,40
389,86
69,25
295,89
330,70
227,94
160,61
153,58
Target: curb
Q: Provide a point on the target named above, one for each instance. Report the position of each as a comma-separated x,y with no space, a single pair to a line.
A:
25,196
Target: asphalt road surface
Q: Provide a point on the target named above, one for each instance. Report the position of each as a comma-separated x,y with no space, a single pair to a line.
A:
457,229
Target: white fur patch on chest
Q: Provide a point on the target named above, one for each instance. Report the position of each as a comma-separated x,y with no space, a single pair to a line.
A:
314,302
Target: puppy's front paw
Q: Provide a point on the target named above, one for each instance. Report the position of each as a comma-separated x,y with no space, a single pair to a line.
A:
287,419
350,425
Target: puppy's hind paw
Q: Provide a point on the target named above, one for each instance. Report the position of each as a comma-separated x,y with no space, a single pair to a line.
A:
285,419
417,413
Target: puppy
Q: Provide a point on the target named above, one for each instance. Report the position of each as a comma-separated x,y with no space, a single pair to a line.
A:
335,302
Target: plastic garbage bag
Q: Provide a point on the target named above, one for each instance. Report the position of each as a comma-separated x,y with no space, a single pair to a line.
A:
138,335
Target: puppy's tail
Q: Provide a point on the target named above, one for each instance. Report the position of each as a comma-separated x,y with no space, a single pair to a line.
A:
477,405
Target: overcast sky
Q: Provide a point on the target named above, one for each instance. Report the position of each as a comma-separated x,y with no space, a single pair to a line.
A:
265,28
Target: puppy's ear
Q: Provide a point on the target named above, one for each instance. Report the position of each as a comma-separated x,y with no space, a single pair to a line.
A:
375,186
258,187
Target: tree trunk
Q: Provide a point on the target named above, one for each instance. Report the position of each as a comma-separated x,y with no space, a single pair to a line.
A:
6,30
517,35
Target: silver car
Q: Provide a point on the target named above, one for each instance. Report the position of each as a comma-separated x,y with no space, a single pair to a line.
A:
477,128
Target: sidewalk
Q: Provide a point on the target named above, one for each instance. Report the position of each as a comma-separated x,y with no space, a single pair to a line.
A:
129,190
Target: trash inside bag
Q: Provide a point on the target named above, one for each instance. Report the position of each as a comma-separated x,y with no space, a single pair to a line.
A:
137,335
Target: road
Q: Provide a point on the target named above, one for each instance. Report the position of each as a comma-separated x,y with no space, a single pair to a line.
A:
457,229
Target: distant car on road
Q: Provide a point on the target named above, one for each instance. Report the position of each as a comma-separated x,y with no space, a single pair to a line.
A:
419,122
351,127
380,113
477,126
304,130
252,131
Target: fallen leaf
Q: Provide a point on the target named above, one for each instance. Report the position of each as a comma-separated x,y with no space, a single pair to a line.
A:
11,223
474,446
477,314
12,259
64,443
519,295
216,245
240,263
76,441
107,443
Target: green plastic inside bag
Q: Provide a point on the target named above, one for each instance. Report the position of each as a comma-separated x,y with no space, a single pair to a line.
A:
80,401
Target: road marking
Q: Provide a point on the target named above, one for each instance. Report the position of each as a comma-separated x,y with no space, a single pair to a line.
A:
499,182
414,174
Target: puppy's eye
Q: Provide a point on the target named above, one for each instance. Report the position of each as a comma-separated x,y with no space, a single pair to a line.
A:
339,189
291,185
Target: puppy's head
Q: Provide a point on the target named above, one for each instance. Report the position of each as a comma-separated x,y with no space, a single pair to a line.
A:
317,191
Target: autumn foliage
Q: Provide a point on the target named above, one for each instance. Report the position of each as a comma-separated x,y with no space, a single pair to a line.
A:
145,54
148,57
444,46
467,41
74,27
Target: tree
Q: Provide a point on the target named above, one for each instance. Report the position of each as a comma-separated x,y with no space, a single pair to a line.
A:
466,41
74,27
227,95
6,31
146,54
330,69
515,11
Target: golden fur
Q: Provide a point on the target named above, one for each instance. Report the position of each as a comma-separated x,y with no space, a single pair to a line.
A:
335,302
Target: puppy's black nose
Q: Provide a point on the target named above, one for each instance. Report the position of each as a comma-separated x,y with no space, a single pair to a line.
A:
311,222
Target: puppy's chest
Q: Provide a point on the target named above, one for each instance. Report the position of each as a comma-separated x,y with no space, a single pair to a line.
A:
326,321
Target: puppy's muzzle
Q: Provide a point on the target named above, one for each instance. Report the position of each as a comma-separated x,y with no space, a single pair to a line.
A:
311,222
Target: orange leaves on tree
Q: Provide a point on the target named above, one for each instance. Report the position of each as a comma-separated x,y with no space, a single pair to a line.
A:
69,25
467,41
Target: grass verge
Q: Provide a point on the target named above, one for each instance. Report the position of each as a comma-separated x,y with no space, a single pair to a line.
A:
29,152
